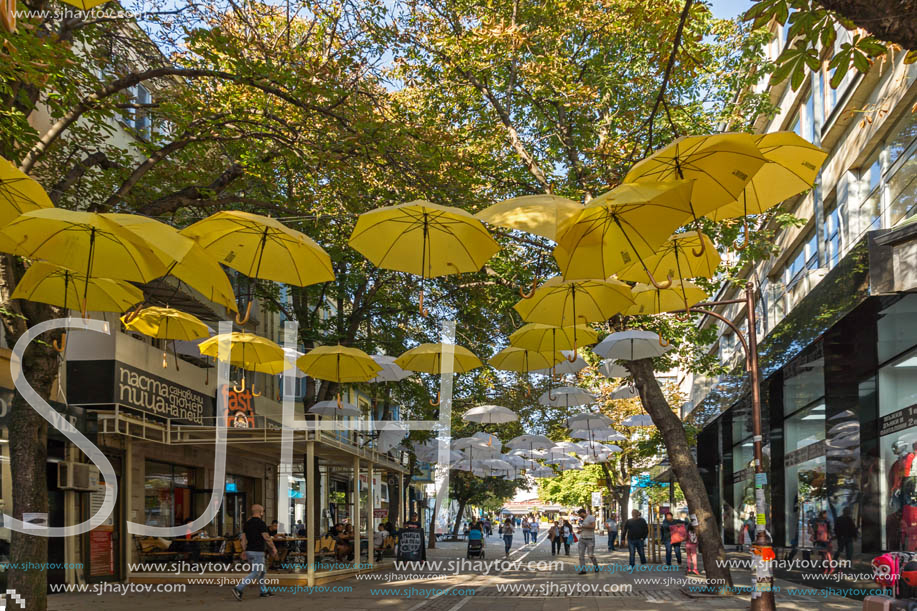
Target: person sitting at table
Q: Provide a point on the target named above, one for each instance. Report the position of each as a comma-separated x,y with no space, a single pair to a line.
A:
379,538
187,544
343,549
279,543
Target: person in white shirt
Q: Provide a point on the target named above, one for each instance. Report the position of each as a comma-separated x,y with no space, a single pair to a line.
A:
533,530
611,527
586,540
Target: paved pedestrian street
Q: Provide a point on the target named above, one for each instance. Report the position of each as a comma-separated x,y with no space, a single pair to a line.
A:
522,581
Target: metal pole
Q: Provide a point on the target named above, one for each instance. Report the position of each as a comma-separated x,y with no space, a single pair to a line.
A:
311,538
762,595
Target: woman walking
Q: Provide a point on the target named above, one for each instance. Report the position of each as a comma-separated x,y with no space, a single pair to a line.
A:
525,530
691,550
821,536
508,529
567,537
554,537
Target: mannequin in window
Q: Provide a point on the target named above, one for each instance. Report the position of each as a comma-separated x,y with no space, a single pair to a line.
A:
895,480
909,501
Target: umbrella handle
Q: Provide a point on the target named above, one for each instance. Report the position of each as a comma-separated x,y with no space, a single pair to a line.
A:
255,394
438,400
703,245
572,358
659,285
550,398
237,389
338,397
531,291
83,307
736,244
423,312
165,362
63,344
248,311
130,316
683,316
664,343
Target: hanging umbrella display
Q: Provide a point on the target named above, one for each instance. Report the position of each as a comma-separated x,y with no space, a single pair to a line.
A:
549,338
611,369
390,372
566,396
390,435
680,295
568,446
342,409
589,421
530,442
602,434
19,193
183,257
340,364
166,324
515,460
424,239
490,439
542,215
622,227
638,420
261,248
427,358
59,286
721,166
542,472
675,260
95,245
792,165
625,392
490,414
632,345
524,361
248,352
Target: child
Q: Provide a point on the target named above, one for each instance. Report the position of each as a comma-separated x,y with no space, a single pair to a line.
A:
691,550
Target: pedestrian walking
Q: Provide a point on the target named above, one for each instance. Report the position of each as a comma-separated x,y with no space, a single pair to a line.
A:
673,533
611,527
525,530
255,539
554,537
586,540
533,530
567,536
635,532
820,533
846,530
691,550
508,529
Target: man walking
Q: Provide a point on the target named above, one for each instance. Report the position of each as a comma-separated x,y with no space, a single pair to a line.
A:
846,531
254,539
533,530
611,527
636,531
586,540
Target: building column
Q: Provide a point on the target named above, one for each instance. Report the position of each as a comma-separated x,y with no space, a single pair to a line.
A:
310,513
370,511
355,514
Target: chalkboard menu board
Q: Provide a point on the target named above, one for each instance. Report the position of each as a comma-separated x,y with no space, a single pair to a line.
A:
411,545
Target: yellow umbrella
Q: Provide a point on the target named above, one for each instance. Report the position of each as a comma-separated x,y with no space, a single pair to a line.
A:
19,193
183,258
542,215
424,239
549,338
427,358
792,167
563,302
166,323
70,238
622,227
338,364
524,361
679,296
85,4
262,247
676,259
247,351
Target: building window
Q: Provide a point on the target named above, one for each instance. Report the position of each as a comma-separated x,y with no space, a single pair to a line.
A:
832,233
167,494
804,465
804,126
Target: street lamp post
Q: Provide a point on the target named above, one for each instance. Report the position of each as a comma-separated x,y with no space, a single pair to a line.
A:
762,594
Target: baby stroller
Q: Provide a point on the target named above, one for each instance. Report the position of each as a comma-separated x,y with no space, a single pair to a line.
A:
475,548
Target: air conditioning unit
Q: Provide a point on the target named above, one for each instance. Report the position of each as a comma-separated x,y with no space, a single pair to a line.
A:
77,476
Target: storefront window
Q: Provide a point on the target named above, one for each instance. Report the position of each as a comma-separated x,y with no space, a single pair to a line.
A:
167,494
803,382
897,327
804,466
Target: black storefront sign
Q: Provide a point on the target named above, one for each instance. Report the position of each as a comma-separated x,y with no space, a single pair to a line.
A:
898,421
108,382
77,416
813,450
741,476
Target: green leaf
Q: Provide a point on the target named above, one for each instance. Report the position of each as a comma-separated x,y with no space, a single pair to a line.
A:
839,73
860,61
871,47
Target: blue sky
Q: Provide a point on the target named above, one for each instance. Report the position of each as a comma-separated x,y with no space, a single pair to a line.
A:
727,9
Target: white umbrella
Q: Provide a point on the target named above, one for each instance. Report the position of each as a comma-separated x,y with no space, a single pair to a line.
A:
589,421
488,439
613,448
390,435
565,366
631,346
562,460
542,472
638,420
291,354
515,460
530,442
611,369
475,451
625,392
566,396
428,451
390,371
332,408
596,459
490,414
602,434
567,446
496,463
570,465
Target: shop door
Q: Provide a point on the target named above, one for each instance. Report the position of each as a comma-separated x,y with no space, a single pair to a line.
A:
233,516
102,545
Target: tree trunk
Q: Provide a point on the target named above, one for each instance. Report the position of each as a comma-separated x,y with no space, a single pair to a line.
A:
431,540
458,517
676,443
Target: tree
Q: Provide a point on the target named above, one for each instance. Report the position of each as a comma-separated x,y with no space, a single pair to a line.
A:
572,488
468,489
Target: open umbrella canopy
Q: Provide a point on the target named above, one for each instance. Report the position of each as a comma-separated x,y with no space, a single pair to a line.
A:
247,351
424,239
19,193
390,372
515,460
631,345
482,451
166,323
563,460
549,338
684,255
488,438
567,447
89,242
792,165
334,408
610,368
560,302
467,442
182,256
490,414
679,295
542,215
589,421
625,392
530,442
59,286
638,420
596,434
427,358
566,396
721,165
390,436
262,247
524,361
340,364
623,226
542,472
